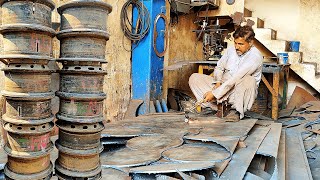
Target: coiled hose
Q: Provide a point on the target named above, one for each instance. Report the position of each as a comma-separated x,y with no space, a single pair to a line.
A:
141,28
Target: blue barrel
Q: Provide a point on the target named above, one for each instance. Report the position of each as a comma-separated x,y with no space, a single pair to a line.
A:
282,58
294,46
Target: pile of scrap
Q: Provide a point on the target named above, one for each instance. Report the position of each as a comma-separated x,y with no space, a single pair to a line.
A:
164,146
303,140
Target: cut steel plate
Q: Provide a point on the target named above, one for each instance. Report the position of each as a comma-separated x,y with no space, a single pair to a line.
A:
43,175
66,174
27,78
129,158
26,41
27,12
78,14
80,79
112,173
196,153
28,166
81,108
160,142
79,160
28,138
170,167
79,136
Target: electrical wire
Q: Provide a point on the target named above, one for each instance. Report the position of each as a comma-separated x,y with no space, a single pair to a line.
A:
138,31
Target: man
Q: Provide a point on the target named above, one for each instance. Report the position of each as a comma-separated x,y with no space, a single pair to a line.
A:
236,77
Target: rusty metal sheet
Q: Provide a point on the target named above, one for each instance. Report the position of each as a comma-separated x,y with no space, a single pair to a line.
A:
129,158
112,173
242,157
285,113
299,97
197,152
123,132
157,142
132,108
269,146
172,167
312,106
298,166
235,129
281,158
113,140
230,143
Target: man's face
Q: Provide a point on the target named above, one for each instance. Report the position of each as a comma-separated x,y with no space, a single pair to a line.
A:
242,45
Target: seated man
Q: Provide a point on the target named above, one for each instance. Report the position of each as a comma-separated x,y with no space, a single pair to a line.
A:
236,77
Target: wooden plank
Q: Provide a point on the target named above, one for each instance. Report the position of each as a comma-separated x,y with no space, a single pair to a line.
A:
269,146
241,160
275,107
298,166
265,81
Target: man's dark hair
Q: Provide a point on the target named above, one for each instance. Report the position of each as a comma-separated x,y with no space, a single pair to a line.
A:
245,32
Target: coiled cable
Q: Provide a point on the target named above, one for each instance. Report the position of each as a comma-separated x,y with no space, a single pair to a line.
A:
138,31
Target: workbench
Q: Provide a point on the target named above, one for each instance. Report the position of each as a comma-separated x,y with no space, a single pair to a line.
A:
268,68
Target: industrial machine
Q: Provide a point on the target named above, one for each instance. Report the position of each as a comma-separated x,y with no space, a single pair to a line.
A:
212,39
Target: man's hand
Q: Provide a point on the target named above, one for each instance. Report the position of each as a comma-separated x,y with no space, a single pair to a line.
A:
208,97
218,84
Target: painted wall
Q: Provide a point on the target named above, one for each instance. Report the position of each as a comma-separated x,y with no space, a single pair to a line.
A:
293,20
117,83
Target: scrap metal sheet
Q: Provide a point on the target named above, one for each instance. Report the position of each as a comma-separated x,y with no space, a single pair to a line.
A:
172,167
281,158
196,152
269,146
129,158
160,142
230,143
235,129
242,158
298,166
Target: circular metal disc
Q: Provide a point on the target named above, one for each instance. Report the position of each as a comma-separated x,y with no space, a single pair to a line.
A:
128,158
197,152
160,142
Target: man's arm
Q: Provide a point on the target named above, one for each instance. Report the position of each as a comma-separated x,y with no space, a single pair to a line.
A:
219,69
249,66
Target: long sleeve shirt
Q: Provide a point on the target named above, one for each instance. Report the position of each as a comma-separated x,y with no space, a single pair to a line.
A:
232,67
